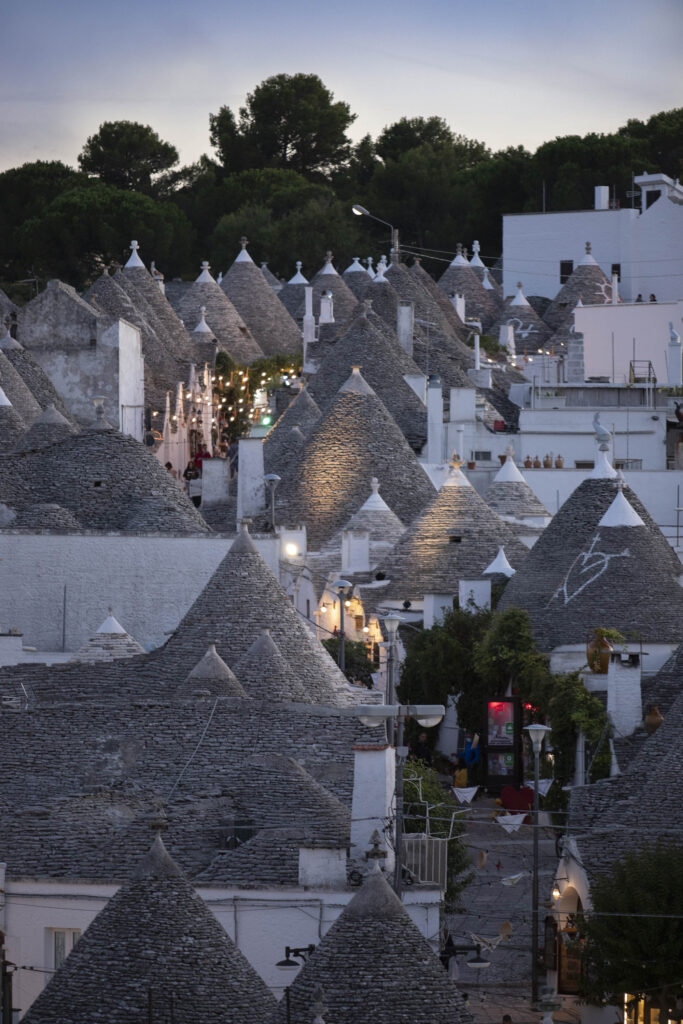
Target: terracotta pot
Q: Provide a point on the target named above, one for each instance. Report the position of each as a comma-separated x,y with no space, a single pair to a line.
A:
597,654
547,462
559,462
653,719
527,462
536,462
502,459
471,465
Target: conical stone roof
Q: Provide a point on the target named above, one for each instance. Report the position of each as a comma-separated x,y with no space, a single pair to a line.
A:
459,278
17,391
212,676
271,280
33,375
12,427
587,283
154,945
374,965
47,429
241,599
454,538
531,333
291,295
266,674
383,366
224,320
356,440
357,278
328,280
282,443
584,573
510,496
166,323
109,642
270,324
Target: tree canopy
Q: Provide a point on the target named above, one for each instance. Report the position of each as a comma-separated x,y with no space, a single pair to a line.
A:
285,173
288,121
127,155
627,951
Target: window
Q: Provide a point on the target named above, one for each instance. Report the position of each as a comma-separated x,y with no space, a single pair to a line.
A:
62,942
481,456
308,608
584,464
566,268
616,269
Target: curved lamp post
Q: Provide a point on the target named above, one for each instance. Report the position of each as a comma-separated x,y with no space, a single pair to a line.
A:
360,211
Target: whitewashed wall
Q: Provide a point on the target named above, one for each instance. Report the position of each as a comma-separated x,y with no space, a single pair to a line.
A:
149,580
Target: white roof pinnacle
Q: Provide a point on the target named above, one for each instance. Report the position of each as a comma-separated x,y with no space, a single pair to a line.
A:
355,267
375,503
327,267
621,513
134,260
112,626
508,473
602,470
298,277
243,256
4,400
356,383
499,566
220,277
485,282
456,477
379,277
476,260
587,260
370,269
459,260
202,327
205,276
520,298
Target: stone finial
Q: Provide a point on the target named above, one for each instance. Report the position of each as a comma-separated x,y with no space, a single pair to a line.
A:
375,852
588,248
328,256
298,266
371,270
458,249
456,462
134,259
244,241
476,247
374,484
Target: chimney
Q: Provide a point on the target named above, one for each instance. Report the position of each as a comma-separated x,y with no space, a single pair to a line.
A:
374,779
405,319
434,421
251,490
326,308
602,197
615,289
309,321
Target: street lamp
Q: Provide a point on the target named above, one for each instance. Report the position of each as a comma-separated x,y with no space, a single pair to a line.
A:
341,588
428,715
537,733
289,963
360,211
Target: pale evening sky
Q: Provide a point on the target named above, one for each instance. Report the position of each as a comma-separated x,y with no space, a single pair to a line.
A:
504,72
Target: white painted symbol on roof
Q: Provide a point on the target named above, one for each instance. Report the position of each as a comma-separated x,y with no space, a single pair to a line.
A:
586,568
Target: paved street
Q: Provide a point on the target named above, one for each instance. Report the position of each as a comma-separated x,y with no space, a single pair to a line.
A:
505,986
